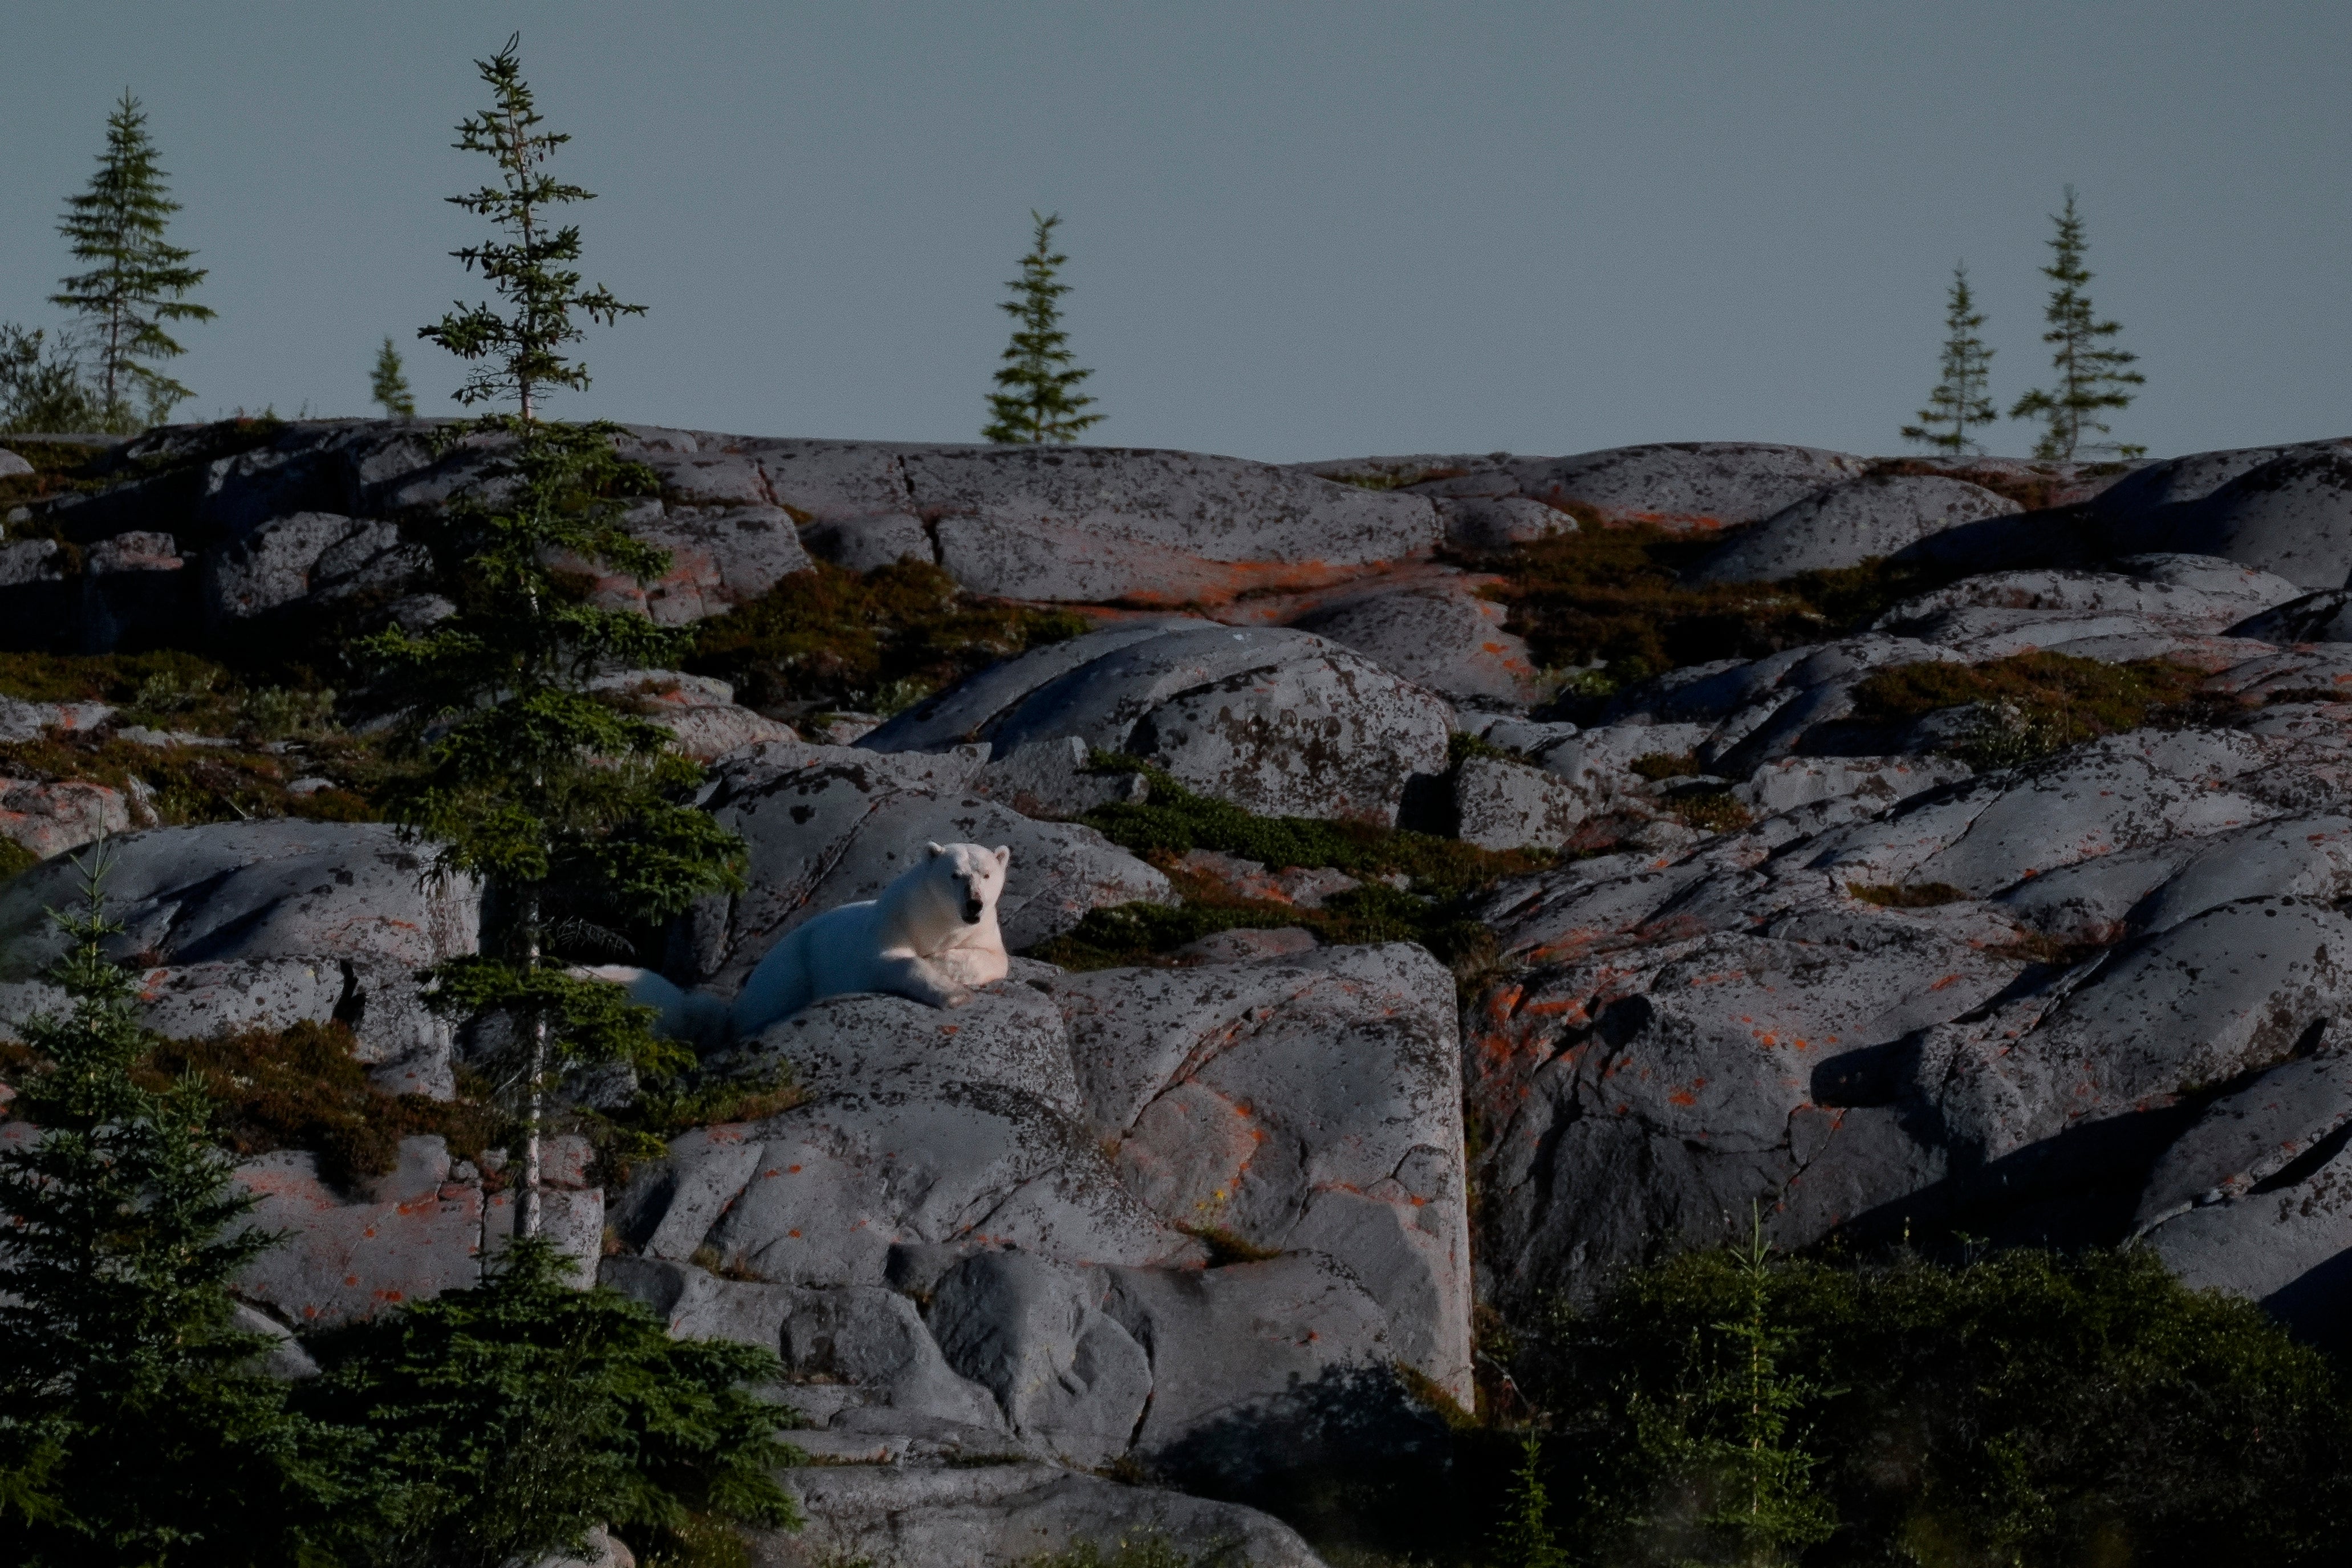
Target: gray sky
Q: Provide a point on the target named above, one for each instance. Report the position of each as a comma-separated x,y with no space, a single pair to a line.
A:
1296,230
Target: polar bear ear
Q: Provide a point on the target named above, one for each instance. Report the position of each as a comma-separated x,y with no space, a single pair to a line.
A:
937,849
1004,853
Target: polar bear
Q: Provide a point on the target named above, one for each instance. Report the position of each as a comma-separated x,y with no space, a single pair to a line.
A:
931,936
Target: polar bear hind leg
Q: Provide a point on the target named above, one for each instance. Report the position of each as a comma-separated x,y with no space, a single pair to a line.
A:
695,1015
781,984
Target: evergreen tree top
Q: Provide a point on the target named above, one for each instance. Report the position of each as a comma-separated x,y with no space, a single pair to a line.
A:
139,280
2092,374
1040,401
521,352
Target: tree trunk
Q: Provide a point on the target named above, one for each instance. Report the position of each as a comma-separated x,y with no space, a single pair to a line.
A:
536,1109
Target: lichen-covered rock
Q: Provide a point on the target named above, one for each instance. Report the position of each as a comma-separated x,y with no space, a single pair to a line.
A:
1682,486
2312,617
408,1237
2292,516
1501,804
1446,639
701,713
310,557
227,891
1052,779
1001,1515
51,818
1143,528
1491,523
2186,594
1280,722
1308,1104
1850,521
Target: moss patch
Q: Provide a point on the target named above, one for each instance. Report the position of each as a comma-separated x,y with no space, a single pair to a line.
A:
1612,599
2034,703
1443,876
300,1089
206,783
830,638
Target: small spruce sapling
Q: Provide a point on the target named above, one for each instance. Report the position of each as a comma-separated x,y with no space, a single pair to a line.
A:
517,352
1038,400
134,1425
139,282
2092,373
1526,1540
568,810
388,384
1960,401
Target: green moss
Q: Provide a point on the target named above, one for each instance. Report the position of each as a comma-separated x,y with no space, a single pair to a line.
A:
1175,821
15,859
881,640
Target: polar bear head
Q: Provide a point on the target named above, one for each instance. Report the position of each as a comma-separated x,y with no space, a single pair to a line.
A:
970,878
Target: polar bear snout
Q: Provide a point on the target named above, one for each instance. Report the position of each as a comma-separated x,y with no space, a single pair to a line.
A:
972,910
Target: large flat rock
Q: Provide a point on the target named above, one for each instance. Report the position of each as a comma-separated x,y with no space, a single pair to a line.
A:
1280,722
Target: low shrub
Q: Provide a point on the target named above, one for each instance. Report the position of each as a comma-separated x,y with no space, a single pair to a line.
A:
302,1088
2031,703
831,639
1442,875
1611,600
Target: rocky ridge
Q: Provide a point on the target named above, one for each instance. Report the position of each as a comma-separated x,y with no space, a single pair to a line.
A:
1893,932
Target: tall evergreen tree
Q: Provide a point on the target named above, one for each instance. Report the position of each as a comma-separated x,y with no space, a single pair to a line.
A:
388,384
2092,375
137,281
1040,401
573,814
519,353
1959,400
134,1428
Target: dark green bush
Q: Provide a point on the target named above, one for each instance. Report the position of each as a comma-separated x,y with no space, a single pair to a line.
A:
2025,1409
508,1418
831,638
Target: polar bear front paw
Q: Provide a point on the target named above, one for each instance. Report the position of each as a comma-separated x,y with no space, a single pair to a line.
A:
957,996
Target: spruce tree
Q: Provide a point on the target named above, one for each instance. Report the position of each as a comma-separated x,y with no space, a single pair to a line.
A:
388,385
1959,400
1040,401
2092,375
135,1426
509,1417
576,816
138,282
519,353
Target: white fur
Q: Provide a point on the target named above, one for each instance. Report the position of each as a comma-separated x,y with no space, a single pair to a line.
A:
932,935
